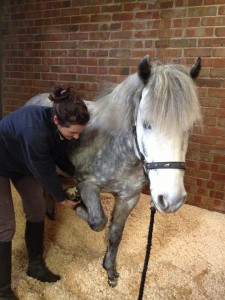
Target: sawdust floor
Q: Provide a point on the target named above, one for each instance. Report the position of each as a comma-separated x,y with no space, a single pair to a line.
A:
187,258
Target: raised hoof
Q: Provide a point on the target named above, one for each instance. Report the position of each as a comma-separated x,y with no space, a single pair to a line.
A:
73,194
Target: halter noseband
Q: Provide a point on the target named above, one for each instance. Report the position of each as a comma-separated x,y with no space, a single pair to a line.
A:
166,165
156,165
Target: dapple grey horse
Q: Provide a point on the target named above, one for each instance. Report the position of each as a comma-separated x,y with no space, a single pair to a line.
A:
138,131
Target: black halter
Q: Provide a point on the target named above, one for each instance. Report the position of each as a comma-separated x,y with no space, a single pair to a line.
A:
156,165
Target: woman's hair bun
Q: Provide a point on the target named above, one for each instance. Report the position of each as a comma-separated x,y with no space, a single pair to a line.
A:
59,93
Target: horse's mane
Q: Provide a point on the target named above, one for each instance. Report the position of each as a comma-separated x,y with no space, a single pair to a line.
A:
115,109
170,102
171,99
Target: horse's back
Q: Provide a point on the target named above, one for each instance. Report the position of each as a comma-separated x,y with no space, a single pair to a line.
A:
40,99
43,100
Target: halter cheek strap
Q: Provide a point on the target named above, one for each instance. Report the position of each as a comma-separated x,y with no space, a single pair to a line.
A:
156,165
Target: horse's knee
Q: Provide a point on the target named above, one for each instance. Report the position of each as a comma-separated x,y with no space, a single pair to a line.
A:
96,222
91,209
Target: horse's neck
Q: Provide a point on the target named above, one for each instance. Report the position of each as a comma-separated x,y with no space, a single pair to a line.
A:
110,122
118,147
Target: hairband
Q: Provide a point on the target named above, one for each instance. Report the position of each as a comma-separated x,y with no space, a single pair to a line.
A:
62,92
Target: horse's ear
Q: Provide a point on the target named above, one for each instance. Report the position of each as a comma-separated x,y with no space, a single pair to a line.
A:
196,68
144,69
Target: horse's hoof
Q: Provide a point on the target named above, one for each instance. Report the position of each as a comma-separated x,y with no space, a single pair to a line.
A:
73,194
113,282
112,273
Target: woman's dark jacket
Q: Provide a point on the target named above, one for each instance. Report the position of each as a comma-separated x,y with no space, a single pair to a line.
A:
31,144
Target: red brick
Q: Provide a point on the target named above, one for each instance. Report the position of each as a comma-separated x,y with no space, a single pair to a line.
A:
219,73
88,62
199,32
216,93
99,35
194,22
173,13
89,10
76,36
203,139
196,52
202,11
134,6
218,176
49,76
61,4
79,19
89,27
67,77
211,2
70,11
149,14
221,10
219,21
220,31
122,17
112,8
133,26
101,18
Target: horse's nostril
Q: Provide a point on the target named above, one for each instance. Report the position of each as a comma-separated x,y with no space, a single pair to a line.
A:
162,202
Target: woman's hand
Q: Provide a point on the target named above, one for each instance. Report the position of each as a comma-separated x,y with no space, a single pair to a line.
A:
68,203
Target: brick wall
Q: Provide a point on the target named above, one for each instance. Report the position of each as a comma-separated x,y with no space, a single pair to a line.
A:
84,42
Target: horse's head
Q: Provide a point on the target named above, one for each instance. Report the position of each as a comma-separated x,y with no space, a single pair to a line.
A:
168,109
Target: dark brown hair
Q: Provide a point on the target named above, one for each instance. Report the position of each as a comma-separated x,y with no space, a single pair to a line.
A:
69,107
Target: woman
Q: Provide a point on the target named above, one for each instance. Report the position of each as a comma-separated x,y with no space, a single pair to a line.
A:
33,141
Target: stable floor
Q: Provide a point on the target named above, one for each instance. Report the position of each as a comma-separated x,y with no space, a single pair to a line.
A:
187,259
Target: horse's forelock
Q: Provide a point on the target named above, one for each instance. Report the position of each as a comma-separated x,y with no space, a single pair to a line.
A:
171,101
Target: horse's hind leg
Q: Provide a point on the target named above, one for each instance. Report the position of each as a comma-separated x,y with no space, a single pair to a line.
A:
120,213
90,209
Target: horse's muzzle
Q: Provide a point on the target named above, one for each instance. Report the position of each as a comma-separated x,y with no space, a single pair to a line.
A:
166,205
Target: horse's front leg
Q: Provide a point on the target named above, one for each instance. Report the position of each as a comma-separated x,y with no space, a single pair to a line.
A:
90,209
121,211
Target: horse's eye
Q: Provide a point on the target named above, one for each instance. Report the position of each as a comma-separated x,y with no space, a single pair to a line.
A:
147,126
